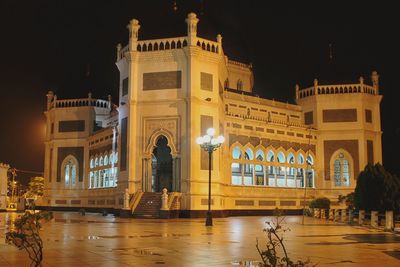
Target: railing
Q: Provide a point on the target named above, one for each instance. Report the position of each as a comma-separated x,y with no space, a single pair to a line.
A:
374,219
336,89
171,198
252,98
208,45
134,200
240,64
266,120
82,102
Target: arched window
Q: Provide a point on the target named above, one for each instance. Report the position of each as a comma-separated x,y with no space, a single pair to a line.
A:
281,157
239,85
236,153
300,159
226,83
310,160
91,163
96,162
249,154
270,156
290,171
106,160
290,158
341,170
112,158
260,155
101,162
248,168
116,157
70,171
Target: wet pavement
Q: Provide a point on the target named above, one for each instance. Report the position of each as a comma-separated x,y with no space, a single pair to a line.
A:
71,239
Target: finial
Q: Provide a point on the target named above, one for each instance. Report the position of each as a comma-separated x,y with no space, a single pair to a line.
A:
219,38
191,21
119,51
361,80
133,28
109,101
315,82
50,97
90,95
375,80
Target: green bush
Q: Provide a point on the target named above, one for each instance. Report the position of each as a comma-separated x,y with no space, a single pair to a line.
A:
377,189
320,203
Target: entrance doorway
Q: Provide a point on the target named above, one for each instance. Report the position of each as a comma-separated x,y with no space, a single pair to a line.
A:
161,166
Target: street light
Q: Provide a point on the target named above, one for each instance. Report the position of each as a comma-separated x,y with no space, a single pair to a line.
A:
209,143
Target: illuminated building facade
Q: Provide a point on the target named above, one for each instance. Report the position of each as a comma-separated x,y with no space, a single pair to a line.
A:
101,155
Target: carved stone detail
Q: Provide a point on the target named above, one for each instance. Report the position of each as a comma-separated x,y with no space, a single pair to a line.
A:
156,126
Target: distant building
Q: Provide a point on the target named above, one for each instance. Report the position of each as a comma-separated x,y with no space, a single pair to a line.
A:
100,155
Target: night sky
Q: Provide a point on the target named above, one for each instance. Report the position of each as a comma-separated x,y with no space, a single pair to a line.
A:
69,47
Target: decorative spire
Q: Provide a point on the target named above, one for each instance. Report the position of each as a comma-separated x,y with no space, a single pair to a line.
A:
133,27
375,81
192,21
119,47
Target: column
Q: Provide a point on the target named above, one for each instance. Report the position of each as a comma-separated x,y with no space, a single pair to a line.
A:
361,217
176,174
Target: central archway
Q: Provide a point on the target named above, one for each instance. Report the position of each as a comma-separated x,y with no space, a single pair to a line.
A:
161,166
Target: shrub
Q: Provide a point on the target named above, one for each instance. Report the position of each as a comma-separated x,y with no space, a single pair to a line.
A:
271,256
320,203
26,235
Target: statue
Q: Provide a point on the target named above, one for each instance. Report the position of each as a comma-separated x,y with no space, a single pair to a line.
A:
126,199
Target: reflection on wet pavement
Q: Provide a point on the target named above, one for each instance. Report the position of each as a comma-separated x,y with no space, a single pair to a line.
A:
72,239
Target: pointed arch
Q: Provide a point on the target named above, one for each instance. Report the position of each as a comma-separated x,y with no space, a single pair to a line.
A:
152,142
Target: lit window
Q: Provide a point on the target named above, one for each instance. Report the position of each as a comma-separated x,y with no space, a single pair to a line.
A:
236,153
236,173
70,171
270,156
260,155
106,160
300,159
341,170
249,154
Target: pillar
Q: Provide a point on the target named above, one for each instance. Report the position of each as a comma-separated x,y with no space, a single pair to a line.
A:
133,28
323,213
375,81
361,217
192,21
374,219
176,174
389,220
331,214
351,216
344,215
50,97
219,41
337,215
146,175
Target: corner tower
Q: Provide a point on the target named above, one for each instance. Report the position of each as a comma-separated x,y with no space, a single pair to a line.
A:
347,119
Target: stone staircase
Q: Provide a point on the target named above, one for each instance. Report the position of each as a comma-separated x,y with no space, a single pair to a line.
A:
149,206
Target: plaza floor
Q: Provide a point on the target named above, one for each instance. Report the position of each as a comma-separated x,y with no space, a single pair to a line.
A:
71,239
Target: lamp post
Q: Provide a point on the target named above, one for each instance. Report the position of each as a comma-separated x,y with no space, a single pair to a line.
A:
209,143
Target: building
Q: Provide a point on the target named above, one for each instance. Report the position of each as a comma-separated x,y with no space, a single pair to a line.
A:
100,155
